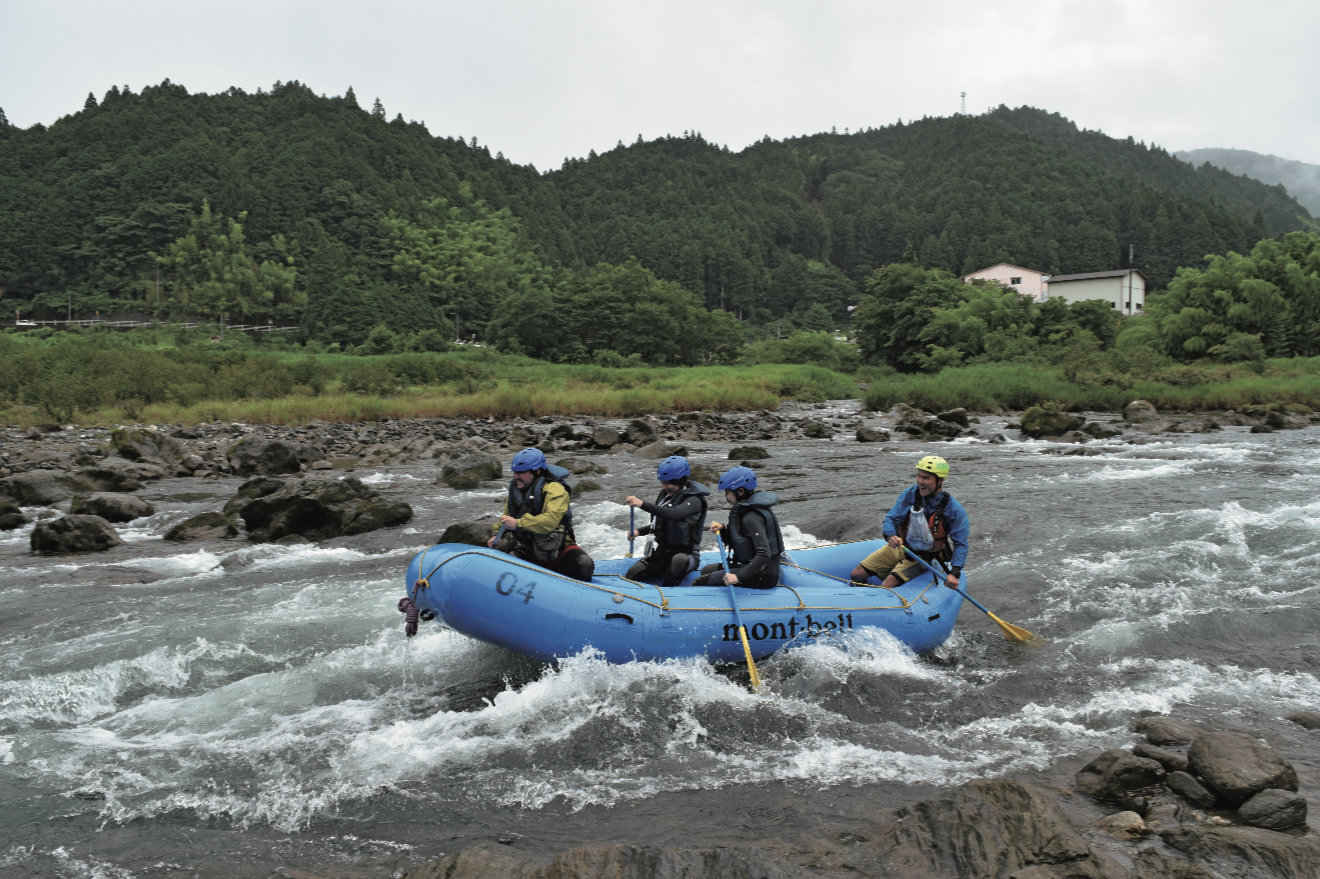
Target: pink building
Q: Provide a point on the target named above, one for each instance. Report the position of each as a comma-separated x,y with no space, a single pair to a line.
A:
1028,282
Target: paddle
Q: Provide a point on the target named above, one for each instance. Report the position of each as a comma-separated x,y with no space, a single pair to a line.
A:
498,535
737,615
1011,632
632,526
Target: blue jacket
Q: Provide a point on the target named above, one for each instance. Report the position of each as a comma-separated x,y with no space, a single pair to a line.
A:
954,515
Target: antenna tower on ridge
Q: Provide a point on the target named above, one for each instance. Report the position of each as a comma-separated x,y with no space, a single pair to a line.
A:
963,112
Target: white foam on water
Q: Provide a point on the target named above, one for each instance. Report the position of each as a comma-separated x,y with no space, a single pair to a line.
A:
384,478
796,538
70,867
6,750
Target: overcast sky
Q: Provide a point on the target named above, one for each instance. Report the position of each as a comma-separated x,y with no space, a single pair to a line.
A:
541,81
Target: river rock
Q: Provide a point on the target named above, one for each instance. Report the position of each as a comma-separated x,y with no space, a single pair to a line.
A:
1247,851
640,433
658,450
872,435
992,828
113,507
74,534
493,861
1096,430
1155,864
1306,719
585,486
118,474
1161,730
114,575
605,437
203,526
263,457
955,416
1115,772
706,475
250,491
1236,767
137,443
748,453
581,466
470,471
11,516
1038,422
471,533
319,509
1186,786
1123,825
1273,810
1138,411
816,430
42,488
1170,760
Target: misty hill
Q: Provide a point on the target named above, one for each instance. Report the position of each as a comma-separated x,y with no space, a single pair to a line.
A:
349,219
1301,179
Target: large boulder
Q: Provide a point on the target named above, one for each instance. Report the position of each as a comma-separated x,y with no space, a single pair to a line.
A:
1170,760
1306,719
748,453
582,466
11,516
1161,730
264,457
250,491
605,437
319,509
640,433
113,507
471,533
43,488
1236,767
1274,810
137,443
658,450
74,534
955,416
872,435
1115,772
1038,422
1138,411
992,828
1097,430
1185,785
1155,864
203,526
1247,851
470,471
493,861
118,474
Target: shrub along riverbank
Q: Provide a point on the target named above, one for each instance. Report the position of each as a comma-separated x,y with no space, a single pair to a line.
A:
94,380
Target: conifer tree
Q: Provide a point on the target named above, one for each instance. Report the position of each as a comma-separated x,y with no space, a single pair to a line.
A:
90,103
378,110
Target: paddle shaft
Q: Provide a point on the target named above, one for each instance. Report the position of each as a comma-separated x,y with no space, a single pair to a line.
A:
737,614
919,560
737,618
632,526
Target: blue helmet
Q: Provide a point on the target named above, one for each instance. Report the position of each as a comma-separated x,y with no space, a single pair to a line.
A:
738,477
672,469
528,459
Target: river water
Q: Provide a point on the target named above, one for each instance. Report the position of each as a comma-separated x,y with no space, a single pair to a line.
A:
258,707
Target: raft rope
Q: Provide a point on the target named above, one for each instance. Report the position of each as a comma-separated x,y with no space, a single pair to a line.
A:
664,607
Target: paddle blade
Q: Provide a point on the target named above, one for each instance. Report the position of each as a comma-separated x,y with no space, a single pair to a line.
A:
1012,632
751,666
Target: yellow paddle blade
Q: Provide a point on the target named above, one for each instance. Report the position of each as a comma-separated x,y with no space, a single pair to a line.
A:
1012,632
751,666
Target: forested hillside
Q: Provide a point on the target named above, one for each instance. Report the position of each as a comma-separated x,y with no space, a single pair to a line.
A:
1299,178
289,206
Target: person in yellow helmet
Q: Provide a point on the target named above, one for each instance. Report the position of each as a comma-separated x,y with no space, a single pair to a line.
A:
930,522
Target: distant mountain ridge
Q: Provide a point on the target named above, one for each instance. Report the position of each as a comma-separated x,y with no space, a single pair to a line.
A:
1300,178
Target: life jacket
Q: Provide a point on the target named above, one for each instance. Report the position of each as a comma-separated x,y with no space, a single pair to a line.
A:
743,548
542,547
936,523
682,534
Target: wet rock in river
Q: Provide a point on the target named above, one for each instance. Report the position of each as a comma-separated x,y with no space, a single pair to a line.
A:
11,516
658,450
955,416
74,534
264,457
1274,810
749,453
1307,719
605,437
1123,825
1186,786
320,509
250,491
640,433
1170,760
1115,772
1247,851
203,526
872,435
582,466
471,533
1155,864
1138,411
136,444
1161,730
1039,422
470,471
495,861
1236,767
114,575
41,488
112,506
1096,430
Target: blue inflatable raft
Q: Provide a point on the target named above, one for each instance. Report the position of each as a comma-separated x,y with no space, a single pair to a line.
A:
502,600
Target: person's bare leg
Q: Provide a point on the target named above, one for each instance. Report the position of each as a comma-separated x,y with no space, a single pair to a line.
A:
891,582
861,576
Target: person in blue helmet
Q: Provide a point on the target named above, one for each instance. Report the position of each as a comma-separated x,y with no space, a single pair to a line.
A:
752,535
678,522
538,520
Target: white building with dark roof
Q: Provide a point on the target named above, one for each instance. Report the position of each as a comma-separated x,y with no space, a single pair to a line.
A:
1028,282
1123,289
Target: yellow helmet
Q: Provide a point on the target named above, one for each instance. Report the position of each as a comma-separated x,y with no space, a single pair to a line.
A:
934,464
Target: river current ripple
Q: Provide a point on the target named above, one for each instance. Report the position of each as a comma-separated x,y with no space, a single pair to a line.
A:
260,706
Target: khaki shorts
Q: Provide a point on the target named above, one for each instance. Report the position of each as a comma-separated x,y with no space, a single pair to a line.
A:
891,560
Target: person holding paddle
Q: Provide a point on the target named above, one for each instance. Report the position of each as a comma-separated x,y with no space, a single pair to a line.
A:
932,524
753,535
678,518
537,525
